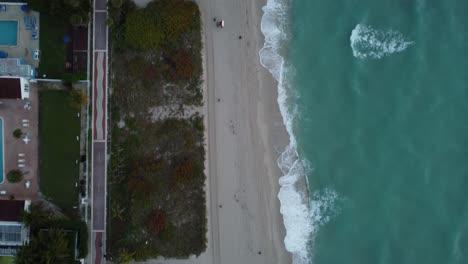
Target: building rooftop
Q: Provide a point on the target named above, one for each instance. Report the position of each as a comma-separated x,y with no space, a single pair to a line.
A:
15,67
10,211
10,88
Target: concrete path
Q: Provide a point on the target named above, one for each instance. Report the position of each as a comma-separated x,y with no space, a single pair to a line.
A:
99,131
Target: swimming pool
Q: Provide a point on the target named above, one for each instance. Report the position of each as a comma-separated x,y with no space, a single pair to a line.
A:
9,35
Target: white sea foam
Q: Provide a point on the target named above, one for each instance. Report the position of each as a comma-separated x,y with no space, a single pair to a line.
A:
368,42
302,215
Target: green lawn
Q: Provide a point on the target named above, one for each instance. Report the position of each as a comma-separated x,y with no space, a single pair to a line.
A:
58,128
53,51
6,260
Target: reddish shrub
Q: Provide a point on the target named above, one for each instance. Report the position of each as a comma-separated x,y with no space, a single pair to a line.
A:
157,221
151,73
184,171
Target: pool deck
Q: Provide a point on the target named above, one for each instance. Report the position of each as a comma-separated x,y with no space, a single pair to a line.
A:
26,44
13,114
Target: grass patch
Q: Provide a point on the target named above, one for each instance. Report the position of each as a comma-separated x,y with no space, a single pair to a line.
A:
6,260
59,149
53,49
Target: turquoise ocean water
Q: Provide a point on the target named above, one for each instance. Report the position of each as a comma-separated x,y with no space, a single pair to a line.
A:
374,94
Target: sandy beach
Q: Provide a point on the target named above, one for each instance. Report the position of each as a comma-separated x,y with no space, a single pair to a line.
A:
245,136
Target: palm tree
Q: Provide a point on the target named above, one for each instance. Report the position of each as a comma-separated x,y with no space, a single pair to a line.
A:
48,247
37,214
57,250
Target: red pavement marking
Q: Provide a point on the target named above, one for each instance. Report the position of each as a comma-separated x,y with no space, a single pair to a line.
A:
98,248
94,97
104,83
103,103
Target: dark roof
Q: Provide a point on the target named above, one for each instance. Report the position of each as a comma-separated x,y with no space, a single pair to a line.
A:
11,210
10,88
80,38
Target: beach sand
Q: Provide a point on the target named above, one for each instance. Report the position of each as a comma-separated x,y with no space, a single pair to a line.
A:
245,136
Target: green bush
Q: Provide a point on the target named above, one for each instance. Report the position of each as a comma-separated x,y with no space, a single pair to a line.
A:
142,31
79,99
161,21
116,3
15,176
81,228
17,133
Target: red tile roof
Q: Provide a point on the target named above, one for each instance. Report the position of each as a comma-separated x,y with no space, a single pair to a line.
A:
10,88
11,210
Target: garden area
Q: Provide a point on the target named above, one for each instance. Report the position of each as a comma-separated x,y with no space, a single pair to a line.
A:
58,18
59,148
53,238
7,260
157,204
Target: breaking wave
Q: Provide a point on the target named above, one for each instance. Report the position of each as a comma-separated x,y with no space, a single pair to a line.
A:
302,215
368,42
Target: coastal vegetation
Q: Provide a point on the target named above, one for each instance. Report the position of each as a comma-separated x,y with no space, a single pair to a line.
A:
59,148
53,238
156,169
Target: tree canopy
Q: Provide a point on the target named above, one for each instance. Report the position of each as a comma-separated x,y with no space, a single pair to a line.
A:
61,8
49,246
15,176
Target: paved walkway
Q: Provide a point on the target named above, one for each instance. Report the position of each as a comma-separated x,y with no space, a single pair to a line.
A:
99,129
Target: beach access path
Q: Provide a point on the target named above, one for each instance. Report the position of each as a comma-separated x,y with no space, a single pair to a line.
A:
99,132
245,136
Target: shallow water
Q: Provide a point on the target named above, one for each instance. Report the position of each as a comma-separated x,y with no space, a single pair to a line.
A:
375,96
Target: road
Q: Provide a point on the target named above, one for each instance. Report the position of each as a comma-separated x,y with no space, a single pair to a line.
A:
99,132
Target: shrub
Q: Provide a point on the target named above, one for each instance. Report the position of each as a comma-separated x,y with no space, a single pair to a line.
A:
109,21
179,18
184,171
157,221
80,227
142,31
151,73
136,66
160,21
17,133
70,78
78,99
76,20
182,65
117,3
15,176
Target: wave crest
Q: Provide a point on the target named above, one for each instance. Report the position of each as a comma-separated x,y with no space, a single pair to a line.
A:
301,215
367,42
